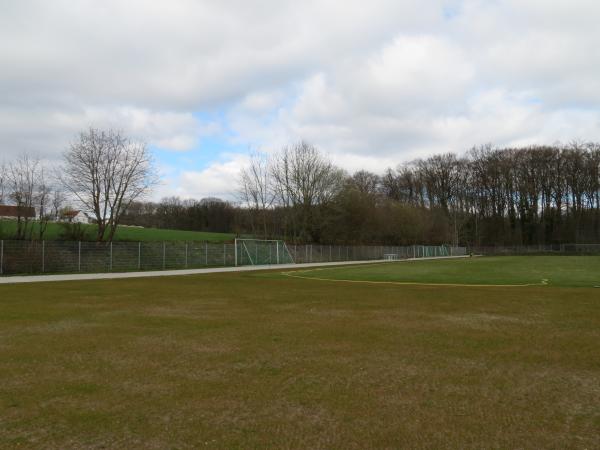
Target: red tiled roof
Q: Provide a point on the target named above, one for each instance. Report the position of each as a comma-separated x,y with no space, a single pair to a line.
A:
16,211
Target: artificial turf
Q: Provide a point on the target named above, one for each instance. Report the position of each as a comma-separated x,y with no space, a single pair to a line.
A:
261,360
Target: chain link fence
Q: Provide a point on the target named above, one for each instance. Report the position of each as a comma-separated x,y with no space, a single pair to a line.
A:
35,257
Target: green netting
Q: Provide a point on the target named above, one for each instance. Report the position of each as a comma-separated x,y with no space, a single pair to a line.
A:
255,252
428,251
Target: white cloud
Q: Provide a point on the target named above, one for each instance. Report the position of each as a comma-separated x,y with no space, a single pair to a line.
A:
219,179
371,84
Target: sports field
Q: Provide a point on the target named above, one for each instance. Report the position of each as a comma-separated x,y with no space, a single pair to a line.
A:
271,360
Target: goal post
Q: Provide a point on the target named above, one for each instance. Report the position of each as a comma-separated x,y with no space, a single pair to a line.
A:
261,252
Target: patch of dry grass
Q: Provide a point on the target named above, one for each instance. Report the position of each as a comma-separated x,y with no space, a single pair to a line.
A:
263,361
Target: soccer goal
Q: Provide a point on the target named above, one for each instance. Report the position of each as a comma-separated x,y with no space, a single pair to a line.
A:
258,252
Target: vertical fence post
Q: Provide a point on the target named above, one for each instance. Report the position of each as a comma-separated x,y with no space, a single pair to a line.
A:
186,254
111,256
224,255
164,255
79,257
43,256
311,258
206,253
140,255
1,256
330,254
277,243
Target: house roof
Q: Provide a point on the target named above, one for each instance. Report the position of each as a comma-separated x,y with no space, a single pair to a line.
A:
16,211
71,213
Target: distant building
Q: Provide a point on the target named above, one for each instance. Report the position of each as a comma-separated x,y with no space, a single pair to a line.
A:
14,212
73,216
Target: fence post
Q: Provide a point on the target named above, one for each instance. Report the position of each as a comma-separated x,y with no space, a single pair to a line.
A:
186,254
164,255
111,256
206,253
330,253
43,256
224,255
277,243
79,256
1,256
140,255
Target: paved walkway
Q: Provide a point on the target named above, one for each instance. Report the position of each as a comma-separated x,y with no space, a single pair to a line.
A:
169,273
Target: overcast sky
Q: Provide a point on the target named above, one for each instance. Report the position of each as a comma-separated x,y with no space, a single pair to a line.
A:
372,83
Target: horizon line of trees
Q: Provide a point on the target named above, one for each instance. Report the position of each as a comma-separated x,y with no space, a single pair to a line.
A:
488,196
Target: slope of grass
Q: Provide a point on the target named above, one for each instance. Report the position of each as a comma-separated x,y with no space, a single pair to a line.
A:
567,271
253,361
54,231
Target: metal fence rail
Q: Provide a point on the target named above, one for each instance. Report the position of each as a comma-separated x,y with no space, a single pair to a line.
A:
34,257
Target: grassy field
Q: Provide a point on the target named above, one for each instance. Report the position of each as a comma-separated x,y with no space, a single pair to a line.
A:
54,230
263,360
565,271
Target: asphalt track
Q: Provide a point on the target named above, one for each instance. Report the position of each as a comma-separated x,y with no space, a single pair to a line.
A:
169,273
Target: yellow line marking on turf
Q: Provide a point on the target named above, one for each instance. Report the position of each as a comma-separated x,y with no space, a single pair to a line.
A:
544,282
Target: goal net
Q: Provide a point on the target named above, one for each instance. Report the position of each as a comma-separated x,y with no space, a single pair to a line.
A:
258,252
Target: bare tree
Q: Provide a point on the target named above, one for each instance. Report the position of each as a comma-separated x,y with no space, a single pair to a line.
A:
304,178
256,188
3,183
106,171
22,177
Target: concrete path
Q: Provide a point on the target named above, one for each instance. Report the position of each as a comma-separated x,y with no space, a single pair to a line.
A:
169,273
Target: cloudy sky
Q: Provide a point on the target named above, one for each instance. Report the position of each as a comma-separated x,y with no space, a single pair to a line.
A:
372,83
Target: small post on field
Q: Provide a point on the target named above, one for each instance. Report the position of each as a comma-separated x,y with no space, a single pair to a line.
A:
140,255
43,256
79,257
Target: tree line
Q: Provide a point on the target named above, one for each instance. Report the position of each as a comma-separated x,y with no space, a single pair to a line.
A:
486,196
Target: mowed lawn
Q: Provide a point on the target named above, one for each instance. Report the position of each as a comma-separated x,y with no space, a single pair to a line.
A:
262,360
123,233
565,271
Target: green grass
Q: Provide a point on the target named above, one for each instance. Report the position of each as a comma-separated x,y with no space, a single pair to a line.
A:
54,230
261,360
566,271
